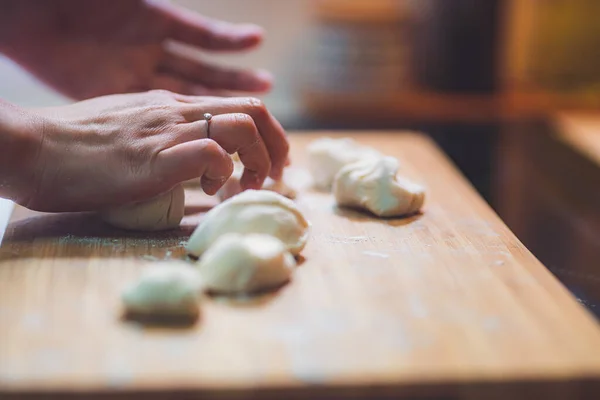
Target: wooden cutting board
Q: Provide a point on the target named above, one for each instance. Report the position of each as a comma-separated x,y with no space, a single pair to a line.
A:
447,303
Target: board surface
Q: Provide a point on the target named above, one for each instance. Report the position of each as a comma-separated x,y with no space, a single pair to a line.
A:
446,303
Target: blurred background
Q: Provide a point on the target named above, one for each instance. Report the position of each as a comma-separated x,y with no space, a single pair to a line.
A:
509,89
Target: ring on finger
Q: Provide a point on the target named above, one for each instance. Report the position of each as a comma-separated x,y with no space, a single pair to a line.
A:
207,117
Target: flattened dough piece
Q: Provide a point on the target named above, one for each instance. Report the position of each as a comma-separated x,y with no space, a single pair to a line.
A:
326,156
164,288
252,211
250,263
160,213
372,184
232,186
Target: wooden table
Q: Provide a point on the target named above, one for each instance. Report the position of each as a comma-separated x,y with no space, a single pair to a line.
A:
550,196
448,303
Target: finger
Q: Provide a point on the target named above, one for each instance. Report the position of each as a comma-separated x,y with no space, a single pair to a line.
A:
183,87
198,158
270,129
189,27
213,77
235,133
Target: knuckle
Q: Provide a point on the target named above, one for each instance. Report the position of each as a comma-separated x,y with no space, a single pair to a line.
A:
160,119
248,128
219,160
162,92
256,105
211,148
244,120
230,168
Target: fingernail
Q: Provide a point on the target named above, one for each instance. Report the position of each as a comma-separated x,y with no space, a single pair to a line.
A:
261,80
264,75
212,186
250,29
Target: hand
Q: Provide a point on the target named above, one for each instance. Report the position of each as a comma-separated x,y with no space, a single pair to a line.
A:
126,148
91,48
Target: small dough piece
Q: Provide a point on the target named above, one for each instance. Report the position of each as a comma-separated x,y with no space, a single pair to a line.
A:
232,186
158,214
372,184
252,211
164,288
326,156
245,264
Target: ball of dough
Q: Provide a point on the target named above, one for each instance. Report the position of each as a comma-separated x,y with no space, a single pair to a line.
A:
160,213
233,187
252,211
372,184
326,156
164,289
245,264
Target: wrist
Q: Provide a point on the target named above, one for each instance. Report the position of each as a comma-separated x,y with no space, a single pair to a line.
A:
20,140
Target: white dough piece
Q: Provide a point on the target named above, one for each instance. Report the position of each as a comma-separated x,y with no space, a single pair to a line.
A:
165,288
252,211
160,213
372,184
238,263
326,156
232,186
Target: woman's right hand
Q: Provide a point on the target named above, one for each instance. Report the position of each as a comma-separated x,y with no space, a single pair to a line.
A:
126,148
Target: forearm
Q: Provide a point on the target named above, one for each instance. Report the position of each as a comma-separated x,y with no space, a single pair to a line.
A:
20,138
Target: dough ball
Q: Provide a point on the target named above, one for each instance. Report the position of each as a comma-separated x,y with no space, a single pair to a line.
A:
245,264
372,184
252,211
165,288
160,213
232,186
326,156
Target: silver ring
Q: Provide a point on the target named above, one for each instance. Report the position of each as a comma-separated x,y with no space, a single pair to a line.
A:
207,117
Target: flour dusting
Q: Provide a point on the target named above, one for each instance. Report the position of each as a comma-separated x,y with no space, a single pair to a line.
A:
375,254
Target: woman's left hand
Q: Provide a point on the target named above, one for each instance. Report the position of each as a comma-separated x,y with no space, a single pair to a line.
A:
91,48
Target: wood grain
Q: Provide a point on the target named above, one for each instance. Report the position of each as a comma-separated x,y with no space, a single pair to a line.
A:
448,303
